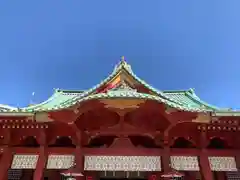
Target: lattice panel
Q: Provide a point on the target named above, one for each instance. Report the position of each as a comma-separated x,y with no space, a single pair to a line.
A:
185,163
233,175
122,163
15,174
21,161
222,163
60,161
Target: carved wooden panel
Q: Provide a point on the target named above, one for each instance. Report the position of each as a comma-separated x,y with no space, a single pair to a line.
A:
185,163
222,163
60,161
21,161
122,163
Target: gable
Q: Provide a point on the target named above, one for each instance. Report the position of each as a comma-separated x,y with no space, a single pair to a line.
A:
124,76
121,81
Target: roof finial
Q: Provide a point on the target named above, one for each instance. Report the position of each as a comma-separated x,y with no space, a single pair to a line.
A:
123,59
191,90
122,63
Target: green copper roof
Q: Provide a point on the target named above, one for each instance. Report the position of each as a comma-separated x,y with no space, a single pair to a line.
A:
188,97
6,108
61,100
183,100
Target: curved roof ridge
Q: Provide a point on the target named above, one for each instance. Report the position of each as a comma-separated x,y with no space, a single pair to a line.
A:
56,93
65,98
194,97
81,95
158,92
70,91
91,90
176,91
5,106
122,65
131,94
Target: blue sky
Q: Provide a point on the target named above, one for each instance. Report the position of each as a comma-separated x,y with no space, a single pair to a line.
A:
74,44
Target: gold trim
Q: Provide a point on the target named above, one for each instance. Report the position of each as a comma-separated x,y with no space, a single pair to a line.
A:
122,103
202,118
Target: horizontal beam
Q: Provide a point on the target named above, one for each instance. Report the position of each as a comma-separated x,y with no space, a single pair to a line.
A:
124,151
16,114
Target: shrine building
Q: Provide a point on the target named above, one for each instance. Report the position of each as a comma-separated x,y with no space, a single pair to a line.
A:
122,128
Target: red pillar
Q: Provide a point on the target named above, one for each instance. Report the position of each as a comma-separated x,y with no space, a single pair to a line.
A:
203,159
205,166
237,159
90,177
152,177
166,160
221,175
38,173
79,159
5,163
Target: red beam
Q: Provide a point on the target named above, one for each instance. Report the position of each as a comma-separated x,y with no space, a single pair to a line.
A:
122,151
137,132
185,152
126,151
56,150
24,150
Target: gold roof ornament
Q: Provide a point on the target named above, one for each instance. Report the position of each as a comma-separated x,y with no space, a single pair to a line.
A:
122,58
124,63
